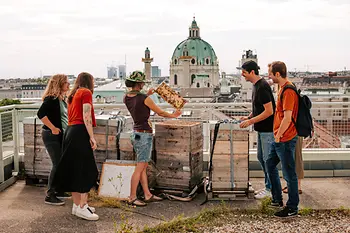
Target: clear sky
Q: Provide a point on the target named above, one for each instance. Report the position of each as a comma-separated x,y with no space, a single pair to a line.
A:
70,36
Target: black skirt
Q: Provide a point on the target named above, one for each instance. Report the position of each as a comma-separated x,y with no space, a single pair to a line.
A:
77,170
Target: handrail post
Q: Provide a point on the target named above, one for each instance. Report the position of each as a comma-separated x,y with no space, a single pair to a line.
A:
2,173
15,137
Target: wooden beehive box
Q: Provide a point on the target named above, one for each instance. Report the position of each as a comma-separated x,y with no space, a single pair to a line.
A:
230,158
179,152
37,161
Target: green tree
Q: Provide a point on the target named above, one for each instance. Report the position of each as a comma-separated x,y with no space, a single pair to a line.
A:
5,102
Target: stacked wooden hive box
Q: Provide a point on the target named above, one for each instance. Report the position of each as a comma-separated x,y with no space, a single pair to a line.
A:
231,158
37,161
179,148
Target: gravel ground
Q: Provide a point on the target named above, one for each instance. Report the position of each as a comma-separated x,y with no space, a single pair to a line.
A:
317,224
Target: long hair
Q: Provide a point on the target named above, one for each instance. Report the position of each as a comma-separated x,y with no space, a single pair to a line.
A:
54,86
83,80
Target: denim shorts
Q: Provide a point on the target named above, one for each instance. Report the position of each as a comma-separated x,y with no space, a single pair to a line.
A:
142,143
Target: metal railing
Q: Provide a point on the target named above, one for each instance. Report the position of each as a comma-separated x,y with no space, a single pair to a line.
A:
332,125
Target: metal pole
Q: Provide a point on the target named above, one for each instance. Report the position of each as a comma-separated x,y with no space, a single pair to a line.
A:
15,140
2,175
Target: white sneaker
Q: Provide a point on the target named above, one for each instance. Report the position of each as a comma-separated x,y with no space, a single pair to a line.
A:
74,209
262,194
86,213
258,191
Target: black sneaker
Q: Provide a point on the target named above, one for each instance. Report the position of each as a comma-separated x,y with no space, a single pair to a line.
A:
63,195
276,204
286,212
53,200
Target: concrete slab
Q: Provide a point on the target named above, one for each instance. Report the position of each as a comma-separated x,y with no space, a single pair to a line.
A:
23,209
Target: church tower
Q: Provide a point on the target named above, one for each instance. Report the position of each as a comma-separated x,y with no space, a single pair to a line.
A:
147,60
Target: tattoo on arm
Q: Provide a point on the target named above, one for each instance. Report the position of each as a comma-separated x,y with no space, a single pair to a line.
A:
87,114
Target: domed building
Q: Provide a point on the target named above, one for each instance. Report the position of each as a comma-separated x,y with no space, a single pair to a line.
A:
194,62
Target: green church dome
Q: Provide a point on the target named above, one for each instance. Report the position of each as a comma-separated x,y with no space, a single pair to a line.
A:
201,51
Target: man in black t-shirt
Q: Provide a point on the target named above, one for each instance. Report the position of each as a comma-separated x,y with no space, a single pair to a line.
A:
263,105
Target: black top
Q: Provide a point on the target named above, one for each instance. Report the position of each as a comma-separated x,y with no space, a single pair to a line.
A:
51,108
139,111
262,94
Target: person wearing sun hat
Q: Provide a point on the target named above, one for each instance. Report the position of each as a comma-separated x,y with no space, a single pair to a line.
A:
140,105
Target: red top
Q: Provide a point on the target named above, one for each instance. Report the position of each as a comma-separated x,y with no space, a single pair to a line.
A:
75,109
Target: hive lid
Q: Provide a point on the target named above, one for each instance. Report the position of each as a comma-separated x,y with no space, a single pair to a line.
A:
179,123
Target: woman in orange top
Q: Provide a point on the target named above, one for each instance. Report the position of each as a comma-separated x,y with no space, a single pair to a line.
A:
77,171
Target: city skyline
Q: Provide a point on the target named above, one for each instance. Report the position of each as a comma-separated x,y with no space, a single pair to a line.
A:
71,37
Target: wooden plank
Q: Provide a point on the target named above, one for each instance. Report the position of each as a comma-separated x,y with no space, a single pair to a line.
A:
224,160
29,128
101,156
239,174
101,141
224,147
174,175
125,144
178,155
127,155
112,130
182,145
177,123
225,135
179,132
173,165
218,186
171,183
29,140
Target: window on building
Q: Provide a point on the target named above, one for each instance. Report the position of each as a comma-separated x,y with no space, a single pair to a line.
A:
208,84
193,76
175,79
337,112
207,61
198,85
175,61
193,61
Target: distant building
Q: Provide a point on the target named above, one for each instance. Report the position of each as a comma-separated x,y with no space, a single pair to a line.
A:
10,93
194,63
33,90
112,72
155,71
122,71
247,87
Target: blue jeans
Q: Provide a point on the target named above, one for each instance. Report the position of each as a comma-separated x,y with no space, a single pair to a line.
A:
283,152
265,139
142,143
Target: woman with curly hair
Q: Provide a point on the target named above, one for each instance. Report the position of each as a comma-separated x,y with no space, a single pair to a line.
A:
53,114
77,171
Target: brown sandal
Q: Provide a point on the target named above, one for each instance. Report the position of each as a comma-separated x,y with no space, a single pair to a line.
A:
136,202
153,199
